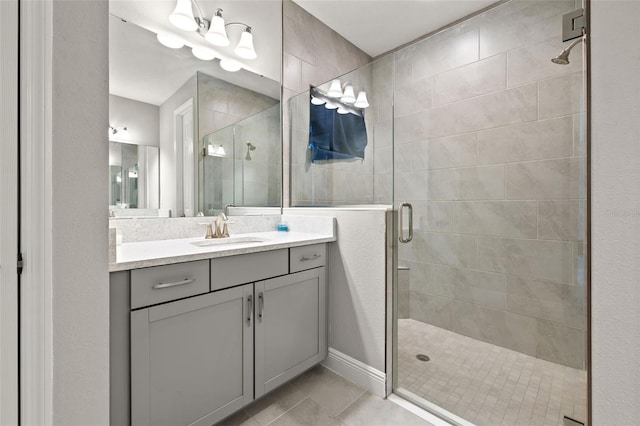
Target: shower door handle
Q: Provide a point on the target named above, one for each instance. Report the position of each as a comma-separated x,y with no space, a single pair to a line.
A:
401,230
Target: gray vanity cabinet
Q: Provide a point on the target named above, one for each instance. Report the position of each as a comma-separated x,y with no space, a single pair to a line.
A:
192,360
290,330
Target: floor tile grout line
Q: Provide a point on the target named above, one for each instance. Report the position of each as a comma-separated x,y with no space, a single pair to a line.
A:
364,392
294,406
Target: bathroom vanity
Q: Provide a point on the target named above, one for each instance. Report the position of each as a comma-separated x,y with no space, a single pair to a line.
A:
193,341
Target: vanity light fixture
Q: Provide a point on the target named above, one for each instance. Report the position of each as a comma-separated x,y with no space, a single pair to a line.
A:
348,97
245,49
347,102
203,53
214,151
217,34
335,90
215,30
169,41
230,65
122,131
361,100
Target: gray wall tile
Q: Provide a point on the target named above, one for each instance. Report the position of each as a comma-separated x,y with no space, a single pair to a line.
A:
562,95
517,219
551,260
550,179
561,220
489,111
536,140
478,78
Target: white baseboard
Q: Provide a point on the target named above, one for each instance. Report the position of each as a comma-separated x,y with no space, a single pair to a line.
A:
371,379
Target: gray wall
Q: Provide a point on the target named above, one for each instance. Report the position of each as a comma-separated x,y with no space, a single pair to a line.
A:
615,148
79,252
489,149
141,120
313,54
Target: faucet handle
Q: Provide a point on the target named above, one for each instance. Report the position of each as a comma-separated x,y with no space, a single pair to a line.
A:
225,229
209,231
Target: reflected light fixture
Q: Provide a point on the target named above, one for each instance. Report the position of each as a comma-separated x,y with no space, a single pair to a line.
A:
230,65
342,110
330,105
348,96
245,49
317,101
203,53
214,151
121,131
217,34
335,90
169,41
361,100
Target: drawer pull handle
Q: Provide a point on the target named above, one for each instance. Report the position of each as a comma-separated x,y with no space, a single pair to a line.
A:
249,308
261,307
175,284
305,258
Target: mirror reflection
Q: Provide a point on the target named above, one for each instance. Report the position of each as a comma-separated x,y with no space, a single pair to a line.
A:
175,90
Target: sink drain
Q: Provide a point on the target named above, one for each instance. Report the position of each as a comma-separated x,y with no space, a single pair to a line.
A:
423,357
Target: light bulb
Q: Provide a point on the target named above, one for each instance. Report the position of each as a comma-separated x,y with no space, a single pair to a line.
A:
217,34
245,46
335,90
169,41
230,65
182,16
348,97
361,101
203,53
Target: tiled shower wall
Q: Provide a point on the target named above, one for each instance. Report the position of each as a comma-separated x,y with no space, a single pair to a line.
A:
314,54
221,104
489,149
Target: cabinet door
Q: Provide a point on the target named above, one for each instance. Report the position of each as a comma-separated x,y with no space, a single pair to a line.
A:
290,327
192,360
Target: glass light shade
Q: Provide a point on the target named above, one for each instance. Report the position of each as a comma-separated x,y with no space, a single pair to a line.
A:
182,16
217,34
220,151
230,65
330,105
210,150
245,49
169,41
348,97
203,53
342,111
317,101
335,90
361,101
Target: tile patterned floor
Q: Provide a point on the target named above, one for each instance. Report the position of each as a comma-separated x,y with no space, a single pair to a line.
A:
321,397
487,384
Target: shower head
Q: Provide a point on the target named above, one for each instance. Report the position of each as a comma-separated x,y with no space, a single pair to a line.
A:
563,57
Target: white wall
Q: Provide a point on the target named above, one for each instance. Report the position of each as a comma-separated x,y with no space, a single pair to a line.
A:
357,285
79,153
170,154
615,220
141,120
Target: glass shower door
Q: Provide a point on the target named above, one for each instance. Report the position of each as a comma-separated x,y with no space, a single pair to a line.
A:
489,187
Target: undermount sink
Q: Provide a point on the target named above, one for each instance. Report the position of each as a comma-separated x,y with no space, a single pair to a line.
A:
227,241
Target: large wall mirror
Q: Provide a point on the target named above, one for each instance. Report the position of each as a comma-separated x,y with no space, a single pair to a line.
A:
211,113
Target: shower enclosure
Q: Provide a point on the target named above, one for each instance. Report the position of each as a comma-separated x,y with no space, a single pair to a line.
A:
477,139
490,171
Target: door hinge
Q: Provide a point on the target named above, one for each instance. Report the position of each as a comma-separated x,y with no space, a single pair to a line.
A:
574,25
20,263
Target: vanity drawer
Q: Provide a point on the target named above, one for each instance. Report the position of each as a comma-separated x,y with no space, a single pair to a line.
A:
247,268
158,284
307,257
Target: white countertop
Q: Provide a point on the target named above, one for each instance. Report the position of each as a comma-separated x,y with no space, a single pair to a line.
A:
165,252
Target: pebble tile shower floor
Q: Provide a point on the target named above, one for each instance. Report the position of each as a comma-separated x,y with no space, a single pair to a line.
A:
487,384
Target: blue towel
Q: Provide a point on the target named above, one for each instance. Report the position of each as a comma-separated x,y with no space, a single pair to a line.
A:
336,136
